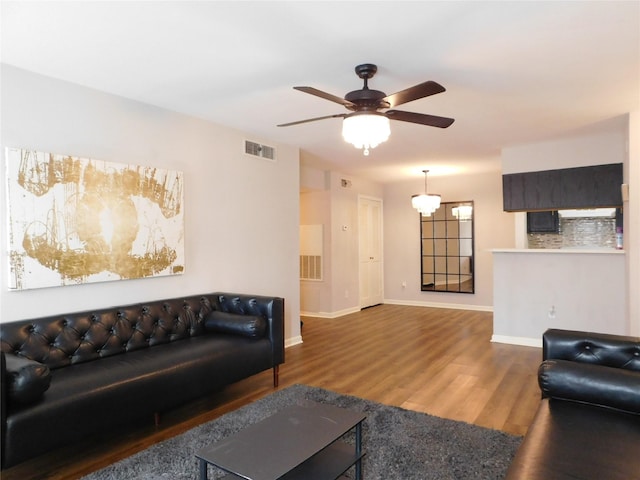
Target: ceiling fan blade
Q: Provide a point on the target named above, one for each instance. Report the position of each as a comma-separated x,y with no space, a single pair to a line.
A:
341,115
414,93
421,118
325,95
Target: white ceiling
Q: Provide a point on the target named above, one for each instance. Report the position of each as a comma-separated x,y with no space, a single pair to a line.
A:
516,72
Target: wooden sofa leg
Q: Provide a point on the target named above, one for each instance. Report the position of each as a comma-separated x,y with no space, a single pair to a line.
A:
276,374
156,418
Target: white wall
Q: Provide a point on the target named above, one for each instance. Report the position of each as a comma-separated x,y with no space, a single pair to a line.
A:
632,224
241,213
600,147
493,229
335,206
315,295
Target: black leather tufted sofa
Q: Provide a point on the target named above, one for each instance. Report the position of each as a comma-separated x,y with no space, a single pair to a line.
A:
67,377
588,423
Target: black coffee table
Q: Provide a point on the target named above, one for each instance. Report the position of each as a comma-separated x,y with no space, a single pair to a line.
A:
299,442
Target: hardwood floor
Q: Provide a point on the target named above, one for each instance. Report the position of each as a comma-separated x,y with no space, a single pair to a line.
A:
437,361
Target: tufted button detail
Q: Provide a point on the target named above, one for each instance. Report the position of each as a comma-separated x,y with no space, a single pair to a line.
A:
587,347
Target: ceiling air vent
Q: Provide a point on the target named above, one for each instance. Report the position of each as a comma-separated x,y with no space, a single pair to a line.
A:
257,150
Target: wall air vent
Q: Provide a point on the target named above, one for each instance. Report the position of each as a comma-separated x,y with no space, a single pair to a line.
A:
311,242
256,150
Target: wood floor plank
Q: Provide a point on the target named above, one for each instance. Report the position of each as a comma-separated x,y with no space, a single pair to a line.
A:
438,361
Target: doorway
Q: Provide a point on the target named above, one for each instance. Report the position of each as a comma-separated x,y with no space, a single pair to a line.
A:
370,251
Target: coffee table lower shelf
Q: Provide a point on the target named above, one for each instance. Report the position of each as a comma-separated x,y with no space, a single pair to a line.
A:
329,463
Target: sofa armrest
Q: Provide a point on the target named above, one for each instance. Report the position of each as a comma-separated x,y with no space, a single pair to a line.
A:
252,326
593,384
24,380
595,348
271,308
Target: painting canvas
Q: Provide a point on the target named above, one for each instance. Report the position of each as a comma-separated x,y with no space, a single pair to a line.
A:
77,220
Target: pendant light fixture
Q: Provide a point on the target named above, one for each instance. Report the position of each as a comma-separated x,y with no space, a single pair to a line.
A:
365,129
425,203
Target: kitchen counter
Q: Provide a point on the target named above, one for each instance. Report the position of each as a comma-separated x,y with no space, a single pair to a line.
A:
573,288
599,251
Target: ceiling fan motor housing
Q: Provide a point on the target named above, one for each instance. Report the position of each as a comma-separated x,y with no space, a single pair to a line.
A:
366,99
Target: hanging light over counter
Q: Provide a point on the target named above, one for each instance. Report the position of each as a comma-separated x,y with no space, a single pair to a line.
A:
425,203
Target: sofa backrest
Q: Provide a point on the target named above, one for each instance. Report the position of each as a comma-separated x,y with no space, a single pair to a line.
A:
66,339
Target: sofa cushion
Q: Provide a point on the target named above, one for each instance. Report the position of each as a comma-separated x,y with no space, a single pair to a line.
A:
124,390
595,384
572,441
252,326
27,379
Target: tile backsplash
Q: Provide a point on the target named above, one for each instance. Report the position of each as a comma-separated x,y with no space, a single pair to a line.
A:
594,232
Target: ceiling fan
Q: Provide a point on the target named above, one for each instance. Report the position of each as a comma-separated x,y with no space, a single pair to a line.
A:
368,124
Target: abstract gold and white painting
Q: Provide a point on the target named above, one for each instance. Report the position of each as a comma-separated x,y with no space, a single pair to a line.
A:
77,220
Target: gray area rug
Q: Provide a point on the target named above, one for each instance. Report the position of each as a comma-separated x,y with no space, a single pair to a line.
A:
399,444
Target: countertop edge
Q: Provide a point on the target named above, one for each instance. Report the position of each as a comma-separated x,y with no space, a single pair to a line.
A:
590,251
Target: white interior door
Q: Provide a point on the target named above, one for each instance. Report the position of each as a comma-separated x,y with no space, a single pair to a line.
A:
370,251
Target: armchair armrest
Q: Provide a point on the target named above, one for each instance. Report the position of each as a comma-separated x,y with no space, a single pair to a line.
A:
588,383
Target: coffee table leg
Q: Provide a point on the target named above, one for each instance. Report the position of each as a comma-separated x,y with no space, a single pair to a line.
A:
359,451
203,469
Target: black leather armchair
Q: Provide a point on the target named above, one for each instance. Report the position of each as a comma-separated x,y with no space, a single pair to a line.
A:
588,422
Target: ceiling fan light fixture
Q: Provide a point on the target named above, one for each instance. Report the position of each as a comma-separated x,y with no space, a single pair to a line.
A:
366,130
425,203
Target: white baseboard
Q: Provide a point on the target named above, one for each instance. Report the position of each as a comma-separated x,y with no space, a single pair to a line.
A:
290,342
410,303
337,314
522,341
455,306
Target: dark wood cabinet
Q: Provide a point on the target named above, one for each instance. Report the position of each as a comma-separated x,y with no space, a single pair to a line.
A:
583,187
